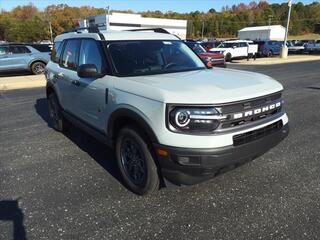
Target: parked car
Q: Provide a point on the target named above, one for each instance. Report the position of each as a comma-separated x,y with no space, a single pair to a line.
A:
22,57
210,44
237,49
168,118
209,58
313,46
269,48
295,47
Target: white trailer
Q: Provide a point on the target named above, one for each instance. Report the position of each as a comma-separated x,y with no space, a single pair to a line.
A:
266,33
126,21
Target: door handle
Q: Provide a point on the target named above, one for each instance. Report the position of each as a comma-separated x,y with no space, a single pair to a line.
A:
76,83
58,76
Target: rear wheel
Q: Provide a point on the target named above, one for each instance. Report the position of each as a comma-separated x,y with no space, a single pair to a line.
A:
270,54
59,123
135,162
38,68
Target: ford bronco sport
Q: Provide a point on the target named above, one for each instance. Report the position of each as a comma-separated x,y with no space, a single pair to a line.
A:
151,98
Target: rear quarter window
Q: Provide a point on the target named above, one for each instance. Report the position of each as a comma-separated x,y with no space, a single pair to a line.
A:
42,47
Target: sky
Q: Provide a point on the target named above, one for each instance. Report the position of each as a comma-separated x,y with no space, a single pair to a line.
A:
140,5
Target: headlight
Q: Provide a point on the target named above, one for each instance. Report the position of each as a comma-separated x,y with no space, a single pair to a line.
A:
193,119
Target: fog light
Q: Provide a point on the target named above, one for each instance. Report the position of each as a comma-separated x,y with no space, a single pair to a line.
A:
190,161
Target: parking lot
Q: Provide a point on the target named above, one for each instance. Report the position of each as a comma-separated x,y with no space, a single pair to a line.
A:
55,186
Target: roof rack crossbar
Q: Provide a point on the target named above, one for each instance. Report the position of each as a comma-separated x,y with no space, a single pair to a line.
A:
157,30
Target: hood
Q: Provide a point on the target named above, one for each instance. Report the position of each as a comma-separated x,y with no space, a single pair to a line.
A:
211,55
219,49
210,86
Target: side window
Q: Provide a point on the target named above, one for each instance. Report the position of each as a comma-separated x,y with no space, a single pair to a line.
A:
18,49
3,50
56,52
243,45
91,54
70,54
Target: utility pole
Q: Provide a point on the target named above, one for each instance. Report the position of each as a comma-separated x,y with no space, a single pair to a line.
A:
284,50
108,15
269,20
202,31
50,29
288,21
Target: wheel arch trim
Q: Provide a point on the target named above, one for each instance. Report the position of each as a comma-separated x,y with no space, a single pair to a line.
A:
125,112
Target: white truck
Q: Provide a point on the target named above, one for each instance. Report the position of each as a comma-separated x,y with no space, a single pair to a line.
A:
237,49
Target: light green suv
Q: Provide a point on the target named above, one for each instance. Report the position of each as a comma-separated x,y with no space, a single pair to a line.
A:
168,117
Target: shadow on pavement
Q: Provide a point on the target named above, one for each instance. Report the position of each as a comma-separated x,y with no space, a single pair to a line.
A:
10,211
103,155
14,74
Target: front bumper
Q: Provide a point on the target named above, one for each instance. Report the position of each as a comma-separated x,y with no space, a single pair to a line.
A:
185,166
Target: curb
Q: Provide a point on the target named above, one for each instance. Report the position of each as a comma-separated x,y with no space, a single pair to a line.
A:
274,61
22,82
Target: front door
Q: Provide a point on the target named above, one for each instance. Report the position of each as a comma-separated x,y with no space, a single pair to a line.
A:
89,95
66,75
18,57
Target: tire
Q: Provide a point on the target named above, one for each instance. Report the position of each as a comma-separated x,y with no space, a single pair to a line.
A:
228,57
270,54
38,67
59,123
141,176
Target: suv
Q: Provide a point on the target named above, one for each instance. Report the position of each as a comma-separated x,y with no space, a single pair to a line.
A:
151,98
237,49
22,57
209,58
269,48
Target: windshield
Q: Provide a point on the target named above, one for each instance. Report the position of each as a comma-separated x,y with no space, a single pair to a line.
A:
226,45
145,57
196,47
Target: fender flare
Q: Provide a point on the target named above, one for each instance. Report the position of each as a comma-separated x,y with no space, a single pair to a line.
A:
137,120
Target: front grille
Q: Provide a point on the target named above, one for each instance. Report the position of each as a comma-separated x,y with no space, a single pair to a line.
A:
241,107
256,134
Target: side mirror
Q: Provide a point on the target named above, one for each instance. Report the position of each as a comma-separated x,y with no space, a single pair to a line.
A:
88,71
234,47
209,65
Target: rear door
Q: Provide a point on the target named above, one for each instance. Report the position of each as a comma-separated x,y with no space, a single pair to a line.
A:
4,58
242,49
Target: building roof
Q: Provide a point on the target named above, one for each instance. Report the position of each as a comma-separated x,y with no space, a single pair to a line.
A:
118,35
259,28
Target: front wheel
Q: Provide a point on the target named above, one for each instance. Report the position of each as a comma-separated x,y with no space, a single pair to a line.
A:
228,57
135,162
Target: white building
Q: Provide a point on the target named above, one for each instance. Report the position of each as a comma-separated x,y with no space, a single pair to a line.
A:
126,21
273,32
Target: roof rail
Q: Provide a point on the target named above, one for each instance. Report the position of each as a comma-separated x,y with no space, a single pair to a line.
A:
156,30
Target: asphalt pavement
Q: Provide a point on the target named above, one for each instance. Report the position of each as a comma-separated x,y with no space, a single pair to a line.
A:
55,186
